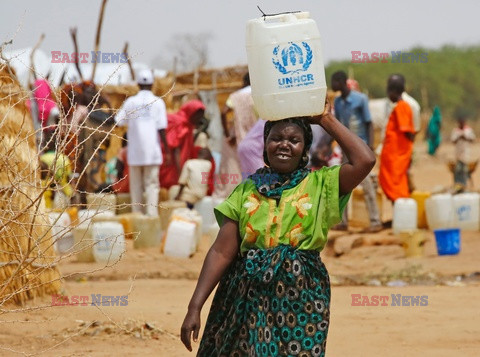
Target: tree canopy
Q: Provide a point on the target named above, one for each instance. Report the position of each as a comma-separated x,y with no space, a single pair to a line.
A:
450,78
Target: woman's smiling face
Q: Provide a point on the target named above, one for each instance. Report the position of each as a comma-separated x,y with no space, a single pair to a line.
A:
284,145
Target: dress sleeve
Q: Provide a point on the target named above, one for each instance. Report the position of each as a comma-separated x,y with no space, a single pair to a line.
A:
332,204
230,208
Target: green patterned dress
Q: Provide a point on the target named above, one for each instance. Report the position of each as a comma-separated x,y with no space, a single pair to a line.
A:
274,299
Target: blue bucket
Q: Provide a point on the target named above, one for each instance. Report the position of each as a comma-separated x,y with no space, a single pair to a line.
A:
448,241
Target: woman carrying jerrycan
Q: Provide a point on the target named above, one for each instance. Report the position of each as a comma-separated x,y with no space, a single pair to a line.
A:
273,294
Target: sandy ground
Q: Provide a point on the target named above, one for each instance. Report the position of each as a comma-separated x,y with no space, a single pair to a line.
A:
159,288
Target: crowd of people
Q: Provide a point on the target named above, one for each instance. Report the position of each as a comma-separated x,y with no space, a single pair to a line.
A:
171,150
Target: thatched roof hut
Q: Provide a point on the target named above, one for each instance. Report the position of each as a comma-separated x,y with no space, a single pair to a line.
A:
27,256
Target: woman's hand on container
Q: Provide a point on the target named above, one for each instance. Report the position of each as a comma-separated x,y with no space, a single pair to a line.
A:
191,324
317,119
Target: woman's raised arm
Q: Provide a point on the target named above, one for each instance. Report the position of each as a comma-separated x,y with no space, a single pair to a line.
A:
361,158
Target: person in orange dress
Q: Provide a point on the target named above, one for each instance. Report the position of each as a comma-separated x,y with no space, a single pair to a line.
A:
397,145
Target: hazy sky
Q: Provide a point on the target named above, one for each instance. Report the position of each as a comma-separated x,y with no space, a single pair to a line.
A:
148,25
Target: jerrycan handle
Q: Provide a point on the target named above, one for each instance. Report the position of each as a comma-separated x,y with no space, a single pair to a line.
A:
291,16
280,18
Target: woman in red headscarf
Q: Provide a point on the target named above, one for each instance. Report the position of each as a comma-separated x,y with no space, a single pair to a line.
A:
179,135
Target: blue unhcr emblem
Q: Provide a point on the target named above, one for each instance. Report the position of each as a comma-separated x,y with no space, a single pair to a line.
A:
292,58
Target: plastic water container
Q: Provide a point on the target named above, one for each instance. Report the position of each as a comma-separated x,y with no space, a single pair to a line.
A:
205,209
466,211
109,241
413,243
146,231
181,239
124,203
165,209
404,215
448,241
61,231
439,210
102,202
286,68
82,235
189,215
85,216
420,197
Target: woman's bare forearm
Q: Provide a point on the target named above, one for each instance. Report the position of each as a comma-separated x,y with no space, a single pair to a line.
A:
213,268
218,259
361,158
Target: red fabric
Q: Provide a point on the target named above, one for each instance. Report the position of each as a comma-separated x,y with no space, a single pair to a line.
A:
179,134
123,185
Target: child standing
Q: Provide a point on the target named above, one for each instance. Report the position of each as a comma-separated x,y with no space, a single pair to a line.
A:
463,137
193,183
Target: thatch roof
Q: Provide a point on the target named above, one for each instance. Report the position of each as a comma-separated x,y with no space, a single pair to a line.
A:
173,87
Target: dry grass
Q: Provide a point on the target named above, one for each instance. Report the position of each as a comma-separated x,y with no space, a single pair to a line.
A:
27,258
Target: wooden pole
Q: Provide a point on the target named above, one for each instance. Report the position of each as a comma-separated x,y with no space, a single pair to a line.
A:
97,37
32,54
125,50
73,34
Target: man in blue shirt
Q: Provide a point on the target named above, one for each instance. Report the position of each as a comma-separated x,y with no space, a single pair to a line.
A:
351,109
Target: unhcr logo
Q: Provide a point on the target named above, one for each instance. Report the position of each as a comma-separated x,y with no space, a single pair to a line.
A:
291,60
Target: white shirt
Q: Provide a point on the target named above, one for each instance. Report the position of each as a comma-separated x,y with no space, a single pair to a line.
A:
144,114
417,124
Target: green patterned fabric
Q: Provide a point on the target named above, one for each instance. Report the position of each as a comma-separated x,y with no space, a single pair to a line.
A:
301,218
271,302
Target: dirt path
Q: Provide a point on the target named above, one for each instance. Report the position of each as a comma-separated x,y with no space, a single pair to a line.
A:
447,326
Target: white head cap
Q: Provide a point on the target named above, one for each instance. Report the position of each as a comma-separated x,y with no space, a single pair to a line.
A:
145,77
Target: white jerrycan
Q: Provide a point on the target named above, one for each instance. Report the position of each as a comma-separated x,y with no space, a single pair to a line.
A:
404,215
286,68
466,208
